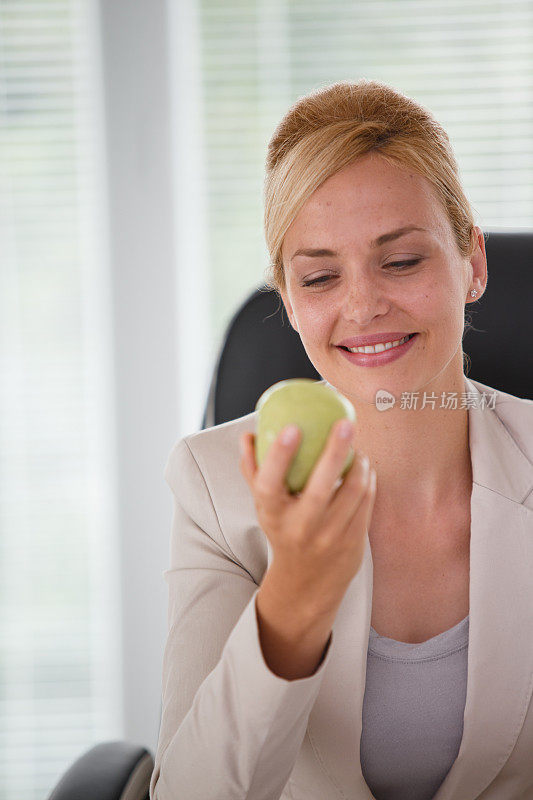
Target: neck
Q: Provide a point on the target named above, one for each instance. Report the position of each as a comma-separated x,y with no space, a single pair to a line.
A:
421,455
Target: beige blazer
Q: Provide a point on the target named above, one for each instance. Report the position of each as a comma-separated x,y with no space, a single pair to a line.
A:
231,729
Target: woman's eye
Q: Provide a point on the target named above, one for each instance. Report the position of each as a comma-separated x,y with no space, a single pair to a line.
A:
316,280
397,266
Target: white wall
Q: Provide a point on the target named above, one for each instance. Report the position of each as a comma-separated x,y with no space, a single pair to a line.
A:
142,257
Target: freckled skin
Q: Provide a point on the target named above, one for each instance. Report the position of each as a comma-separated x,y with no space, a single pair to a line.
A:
353,206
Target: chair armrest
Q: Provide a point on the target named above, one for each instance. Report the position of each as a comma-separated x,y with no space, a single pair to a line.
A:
108,771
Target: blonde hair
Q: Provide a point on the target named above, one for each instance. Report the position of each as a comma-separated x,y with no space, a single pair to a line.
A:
334,126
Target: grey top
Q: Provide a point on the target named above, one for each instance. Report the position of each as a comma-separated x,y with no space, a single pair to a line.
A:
413,713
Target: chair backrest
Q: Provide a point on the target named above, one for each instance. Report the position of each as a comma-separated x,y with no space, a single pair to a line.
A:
260,347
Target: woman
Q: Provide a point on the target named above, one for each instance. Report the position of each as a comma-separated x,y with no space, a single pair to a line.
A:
365,640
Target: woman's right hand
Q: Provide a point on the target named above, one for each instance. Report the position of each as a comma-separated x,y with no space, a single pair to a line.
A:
318,535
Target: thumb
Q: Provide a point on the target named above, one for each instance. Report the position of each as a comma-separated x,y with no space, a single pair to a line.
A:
247,462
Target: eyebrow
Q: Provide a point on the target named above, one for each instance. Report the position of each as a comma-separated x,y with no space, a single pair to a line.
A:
381,240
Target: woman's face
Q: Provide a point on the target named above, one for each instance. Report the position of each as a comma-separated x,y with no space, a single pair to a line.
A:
357,291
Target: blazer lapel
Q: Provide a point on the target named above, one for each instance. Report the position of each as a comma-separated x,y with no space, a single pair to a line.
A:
500,660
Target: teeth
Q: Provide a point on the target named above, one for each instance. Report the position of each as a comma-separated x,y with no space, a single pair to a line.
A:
378,348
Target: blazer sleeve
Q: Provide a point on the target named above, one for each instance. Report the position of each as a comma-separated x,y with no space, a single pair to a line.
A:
230,728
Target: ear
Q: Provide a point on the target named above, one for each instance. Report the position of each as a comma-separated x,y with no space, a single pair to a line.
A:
288,308
478,266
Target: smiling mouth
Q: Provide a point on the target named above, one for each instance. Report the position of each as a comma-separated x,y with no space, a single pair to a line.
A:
370,349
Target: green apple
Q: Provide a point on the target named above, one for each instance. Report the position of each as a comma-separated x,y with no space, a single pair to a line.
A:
313,406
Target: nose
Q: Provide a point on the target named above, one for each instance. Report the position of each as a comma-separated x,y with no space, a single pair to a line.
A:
364,300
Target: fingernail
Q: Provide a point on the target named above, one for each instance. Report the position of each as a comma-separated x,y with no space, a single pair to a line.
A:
289,434
344,431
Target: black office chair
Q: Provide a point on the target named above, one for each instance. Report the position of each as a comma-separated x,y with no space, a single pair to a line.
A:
259,348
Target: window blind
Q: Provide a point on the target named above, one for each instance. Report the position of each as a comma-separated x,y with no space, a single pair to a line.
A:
469,61
58,618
